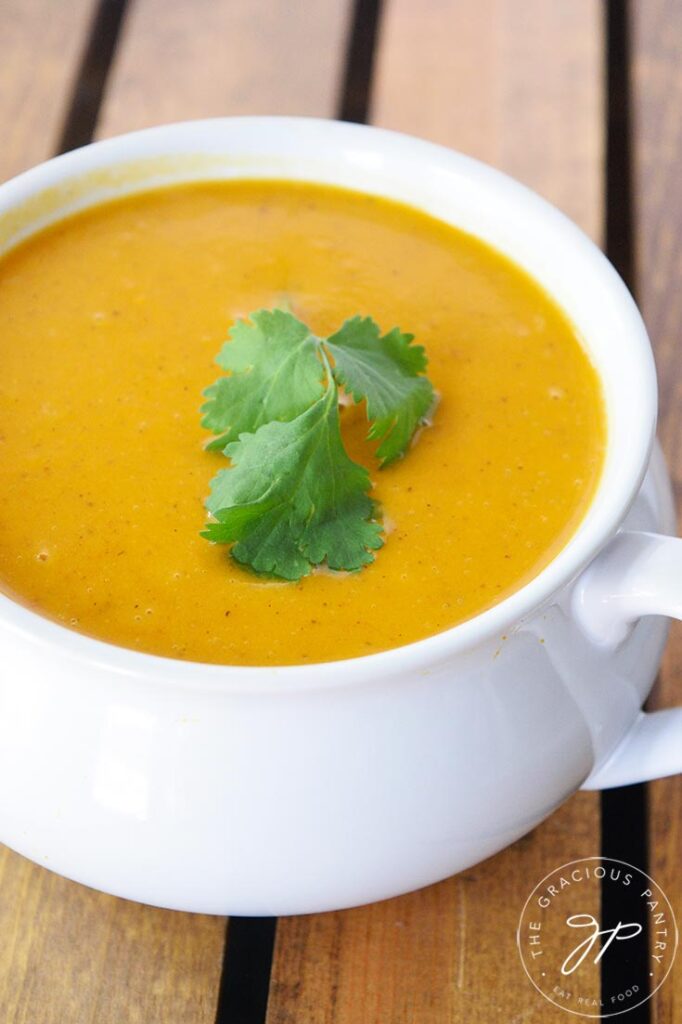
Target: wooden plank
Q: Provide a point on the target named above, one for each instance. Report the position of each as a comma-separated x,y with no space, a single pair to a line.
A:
42,41
214,58
513,84
519,85
70,954
657,152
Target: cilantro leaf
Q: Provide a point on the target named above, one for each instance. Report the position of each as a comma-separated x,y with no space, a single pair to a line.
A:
275,374
386,372
293,497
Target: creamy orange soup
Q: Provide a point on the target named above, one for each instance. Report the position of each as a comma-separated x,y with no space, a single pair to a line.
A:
109,325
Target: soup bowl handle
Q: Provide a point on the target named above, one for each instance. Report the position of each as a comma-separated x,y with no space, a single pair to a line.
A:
636,574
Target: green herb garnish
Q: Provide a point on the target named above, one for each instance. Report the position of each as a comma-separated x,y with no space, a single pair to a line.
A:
293,498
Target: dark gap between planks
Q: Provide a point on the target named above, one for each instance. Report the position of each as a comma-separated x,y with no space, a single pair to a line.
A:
624,818
356,89
90,82
247,963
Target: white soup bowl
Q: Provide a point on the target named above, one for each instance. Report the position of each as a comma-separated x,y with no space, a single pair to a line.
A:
285,790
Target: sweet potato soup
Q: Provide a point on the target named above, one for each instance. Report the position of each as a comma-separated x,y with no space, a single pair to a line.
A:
110,322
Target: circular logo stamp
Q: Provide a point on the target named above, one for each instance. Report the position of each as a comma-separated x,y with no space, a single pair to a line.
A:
597,937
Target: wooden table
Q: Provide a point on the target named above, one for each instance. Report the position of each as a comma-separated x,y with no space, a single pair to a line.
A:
580,100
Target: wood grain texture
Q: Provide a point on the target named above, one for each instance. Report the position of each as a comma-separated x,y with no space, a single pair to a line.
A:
69,954
515,84
214,58
521,86
41,41
657,102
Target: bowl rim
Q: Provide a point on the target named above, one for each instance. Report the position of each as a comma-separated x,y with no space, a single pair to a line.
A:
421,656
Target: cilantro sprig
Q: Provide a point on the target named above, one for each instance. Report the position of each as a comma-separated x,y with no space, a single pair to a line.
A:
292,498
